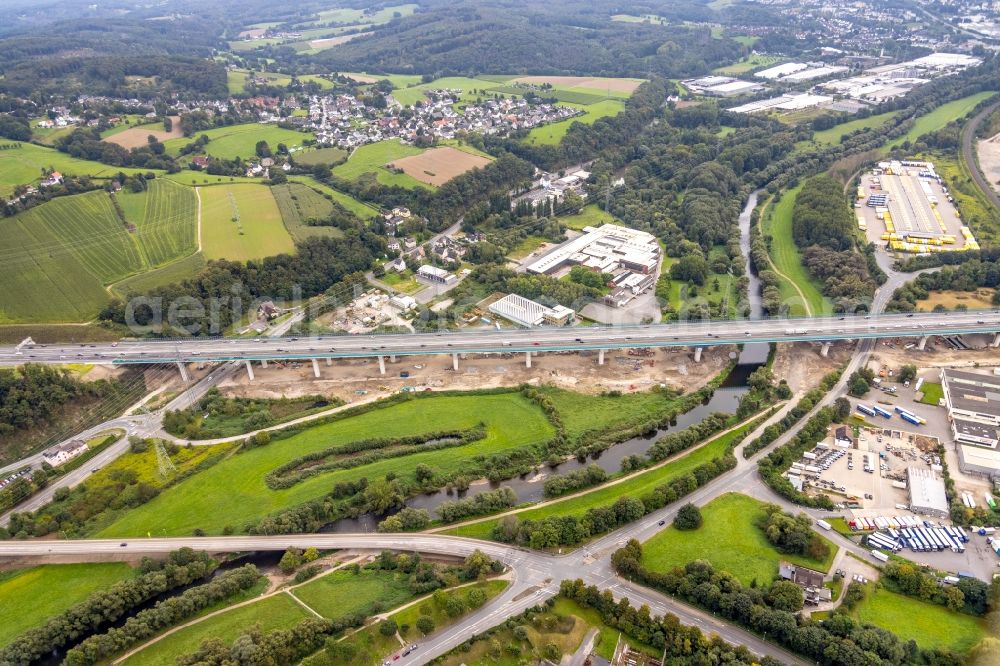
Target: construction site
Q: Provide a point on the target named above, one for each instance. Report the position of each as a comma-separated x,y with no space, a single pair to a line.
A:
905,206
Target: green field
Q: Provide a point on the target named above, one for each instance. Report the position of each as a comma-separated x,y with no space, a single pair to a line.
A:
941,116
362,210
583,413
320,156
832,136
237,78
172,273
23,166
342,593
553,133
58,256
637,486
348,15
933,392
930,625
257,233
807,299
299,204
729,519
277,612
233,491
29,597
372,158
404,282
411,94
240,140
744,65
590,216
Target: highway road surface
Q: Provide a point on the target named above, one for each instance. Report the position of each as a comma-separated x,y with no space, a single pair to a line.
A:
690,334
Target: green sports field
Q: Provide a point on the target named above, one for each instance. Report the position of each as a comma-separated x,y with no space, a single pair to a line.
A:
29,597
798,289
728,519
241,140
372,158
233,491
553,133
930,625
241,222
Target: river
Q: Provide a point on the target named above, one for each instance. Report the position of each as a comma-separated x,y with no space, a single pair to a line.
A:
755,353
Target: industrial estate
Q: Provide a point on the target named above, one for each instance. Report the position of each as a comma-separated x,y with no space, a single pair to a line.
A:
474,332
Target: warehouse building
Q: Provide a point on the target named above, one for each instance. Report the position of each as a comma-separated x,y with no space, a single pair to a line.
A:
973,402
927,494
529,314
605,249
435,274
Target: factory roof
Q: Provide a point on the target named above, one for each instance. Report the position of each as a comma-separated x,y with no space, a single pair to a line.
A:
926,490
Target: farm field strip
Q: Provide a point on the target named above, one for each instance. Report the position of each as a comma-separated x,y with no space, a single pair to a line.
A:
241,222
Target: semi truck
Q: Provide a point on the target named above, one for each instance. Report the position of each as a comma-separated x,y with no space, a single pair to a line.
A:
910,418
879,555
825,525
865,409
885,413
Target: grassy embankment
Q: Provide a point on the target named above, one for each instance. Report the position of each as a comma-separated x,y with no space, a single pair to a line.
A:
730,519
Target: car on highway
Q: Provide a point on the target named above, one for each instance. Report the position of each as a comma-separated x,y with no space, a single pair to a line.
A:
122,544
662,523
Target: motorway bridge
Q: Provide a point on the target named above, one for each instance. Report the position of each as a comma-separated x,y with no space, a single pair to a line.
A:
696,335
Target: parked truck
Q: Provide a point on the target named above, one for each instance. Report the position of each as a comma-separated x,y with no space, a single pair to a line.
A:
879,555
825,525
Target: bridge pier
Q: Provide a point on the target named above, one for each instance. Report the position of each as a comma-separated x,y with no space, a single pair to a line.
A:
263,363
184,372
329,361
600,357
316,368
922,344
249,370
697,354
381,365
825,350
996,340
454,362
527,359
392,358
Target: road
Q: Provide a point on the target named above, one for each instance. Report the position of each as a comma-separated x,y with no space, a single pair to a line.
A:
969,154
683,334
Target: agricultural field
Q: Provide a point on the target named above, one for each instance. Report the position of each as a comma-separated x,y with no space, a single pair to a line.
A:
32,596
320,156
744,65
171,273
233,491
371,160
729,519
237,79
553,133
606,495
940,117
930,625
23,166
317,45
439,165
241,222
166,220
348,16
832,136
58,256
409,94
298,204
362,210
241,140
138,136
798,289
603,86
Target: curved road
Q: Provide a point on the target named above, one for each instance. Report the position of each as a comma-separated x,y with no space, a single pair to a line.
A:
969,154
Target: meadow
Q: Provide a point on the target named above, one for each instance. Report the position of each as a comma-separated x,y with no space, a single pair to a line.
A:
166,220
297,204
553,133
171,273
636,486
471,88
744,65
23,166
241,222
930,625
32,596
372,158
320,156
590,215
233,491
359,208
832,135
729,519
237,78
940,117
798,289
235,141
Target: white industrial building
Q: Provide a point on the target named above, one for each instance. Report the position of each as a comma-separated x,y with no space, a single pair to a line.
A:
791,102
927,495
435,274
973,402
721,86
778,71
526,312
64,452
815,73
403,302
605,249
